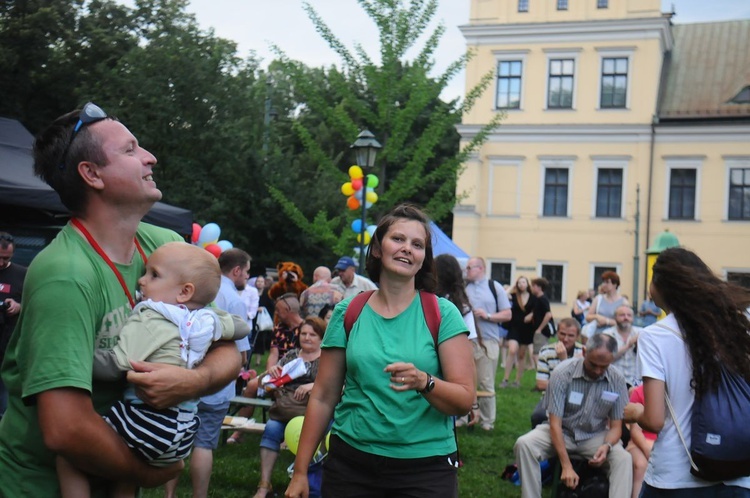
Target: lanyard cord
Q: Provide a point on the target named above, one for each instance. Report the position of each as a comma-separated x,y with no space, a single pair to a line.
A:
76,223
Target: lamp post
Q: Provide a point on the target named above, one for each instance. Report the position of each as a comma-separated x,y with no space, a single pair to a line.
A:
365,151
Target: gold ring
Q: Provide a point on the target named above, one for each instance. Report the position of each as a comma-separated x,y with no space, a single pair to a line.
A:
402,380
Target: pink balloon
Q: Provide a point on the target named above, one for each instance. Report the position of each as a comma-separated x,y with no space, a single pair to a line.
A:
214,249
196,233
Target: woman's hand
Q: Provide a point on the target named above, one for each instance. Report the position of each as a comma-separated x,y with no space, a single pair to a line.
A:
406,377
604,321
303,391
298,487
274,371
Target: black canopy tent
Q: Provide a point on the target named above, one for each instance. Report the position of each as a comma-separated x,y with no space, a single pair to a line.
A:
25,199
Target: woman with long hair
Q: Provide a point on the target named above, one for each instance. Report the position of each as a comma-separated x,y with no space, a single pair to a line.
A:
706,329
450,285
520,333
392,428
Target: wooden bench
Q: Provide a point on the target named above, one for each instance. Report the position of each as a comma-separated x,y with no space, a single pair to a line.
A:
239,401
255,428
485,394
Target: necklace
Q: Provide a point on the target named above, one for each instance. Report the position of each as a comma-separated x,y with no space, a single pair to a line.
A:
76,223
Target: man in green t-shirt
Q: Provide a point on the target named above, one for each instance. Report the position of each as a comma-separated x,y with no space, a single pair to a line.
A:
78,293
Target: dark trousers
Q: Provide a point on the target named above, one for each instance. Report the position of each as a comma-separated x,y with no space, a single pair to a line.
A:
356,474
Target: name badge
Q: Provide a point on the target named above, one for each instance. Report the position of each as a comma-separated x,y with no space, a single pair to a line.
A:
575,398
610,396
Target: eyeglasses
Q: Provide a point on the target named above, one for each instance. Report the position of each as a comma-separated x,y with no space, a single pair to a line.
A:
91,113
469,267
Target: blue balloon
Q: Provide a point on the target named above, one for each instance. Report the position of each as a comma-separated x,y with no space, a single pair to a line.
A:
359,194
357,226
224,244
209,233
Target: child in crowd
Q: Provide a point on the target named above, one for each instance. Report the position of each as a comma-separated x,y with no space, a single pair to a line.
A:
172,326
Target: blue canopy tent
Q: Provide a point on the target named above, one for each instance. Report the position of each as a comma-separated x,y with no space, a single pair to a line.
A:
442,244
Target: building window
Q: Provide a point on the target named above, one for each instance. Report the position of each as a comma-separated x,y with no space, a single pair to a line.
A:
739,278
614,88
739,194
602,4
743,97
682,194
523,5
554,275
562,4
501,272
609,193
560,93
509,85
598,272
555,192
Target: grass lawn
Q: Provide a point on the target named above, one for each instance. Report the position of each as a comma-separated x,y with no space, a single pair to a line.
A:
485,454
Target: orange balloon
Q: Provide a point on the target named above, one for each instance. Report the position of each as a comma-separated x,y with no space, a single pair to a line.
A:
352,203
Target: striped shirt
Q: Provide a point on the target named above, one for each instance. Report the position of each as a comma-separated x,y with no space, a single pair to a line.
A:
585,405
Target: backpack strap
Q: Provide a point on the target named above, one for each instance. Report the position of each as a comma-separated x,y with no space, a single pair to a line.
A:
431,311
354,309
494,293
430,308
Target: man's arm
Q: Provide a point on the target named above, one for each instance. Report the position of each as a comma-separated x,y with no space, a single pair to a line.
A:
568,476
162,386
71,428
613,436
545,321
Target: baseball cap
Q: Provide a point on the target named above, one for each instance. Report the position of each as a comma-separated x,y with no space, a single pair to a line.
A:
344,263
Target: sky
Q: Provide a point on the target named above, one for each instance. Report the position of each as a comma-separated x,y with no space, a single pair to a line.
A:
257,24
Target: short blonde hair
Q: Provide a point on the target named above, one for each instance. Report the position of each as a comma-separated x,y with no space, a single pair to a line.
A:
197,266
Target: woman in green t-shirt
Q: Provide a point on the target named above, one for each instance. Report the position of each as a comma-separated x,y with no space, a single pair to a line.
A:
392,433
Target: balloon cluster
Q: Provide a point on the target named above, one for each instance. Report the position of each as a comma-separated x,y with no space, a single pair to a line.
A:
360,189
293,431
207,237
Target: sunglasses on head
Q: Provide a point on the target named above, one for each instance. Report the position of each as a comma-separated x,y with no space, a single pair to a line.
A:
91,113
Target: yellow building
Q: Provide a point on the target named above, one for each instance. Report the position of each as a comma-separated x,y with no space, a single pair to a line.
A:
620,124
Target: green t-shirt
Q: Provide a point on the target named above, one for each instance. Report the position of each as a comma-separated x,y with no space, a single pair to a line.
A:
371,416
72,304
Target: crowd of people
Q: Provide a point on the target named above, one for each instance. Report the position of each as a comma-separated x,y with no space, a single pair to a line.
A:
389,365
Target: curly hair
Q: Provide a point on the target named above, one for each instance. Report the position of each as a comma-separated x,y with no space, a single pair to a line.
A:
425,277
711,314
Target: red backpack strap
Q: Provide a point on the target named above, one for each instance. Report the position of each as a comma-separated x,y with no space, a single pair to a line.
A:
356,305
431,311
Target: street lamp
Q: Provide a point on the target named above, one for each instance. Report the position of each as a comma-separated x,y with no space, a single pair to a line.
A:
365,151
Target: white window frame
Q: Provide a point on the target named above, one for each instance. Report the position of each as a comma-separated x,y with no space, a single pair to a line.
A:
695,163
608,53
510,56
555,163
504,162
554,54
564,290
731,162
592,270
609,164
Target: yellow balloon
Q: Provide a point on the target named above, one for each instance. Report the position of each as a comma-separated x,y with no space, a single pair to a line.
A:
371,197
292,433
347,189
367,238
355,172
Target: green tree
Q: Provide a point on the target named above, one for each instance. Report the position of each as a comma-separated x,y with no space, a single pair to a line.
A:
399,102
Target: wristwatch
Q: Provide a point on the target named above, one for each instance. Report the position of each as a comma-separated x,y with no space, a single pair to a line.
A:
429,387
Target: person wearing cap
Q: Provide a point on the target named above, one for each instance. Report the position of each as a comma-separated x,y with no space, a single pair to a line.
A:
350,283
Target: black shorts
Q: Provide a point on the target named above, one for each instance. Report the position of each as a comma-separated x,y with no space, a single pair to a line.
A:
350,472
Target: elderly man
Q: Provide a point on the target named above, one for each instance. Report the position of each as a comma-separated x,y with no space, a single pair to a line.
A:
78,293
627,338
490,310
350,283
319,294
585,400
550,356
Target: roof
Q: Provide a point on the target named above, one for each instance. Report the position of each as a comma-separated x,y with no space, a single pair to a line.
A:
710,65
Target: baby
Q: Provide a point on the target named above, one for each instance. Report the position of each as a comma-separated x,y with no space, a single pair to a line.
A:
171,325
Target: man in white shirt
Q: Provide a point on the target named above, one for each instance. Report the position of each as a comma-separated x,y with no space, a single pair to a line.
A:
349,282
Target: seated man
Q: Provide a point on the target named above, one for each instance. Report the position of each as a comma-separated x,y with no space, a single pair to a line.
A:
583,396
567,346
